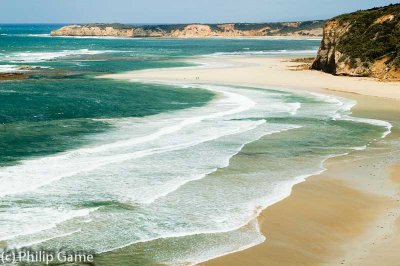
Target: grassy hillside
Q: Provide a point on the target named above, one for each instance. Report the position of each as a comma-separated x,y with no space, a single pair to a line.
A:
373,34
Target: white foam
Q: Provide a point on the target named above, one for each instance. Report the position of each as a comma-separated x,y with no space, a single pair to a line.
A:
91,37
35,35
159,162
223,250
39,241
194,131
344,112
33,57
295,108
284,189
174,185
183,234
245,104
9,68
14,222
373,122
33,174
29,35
17,68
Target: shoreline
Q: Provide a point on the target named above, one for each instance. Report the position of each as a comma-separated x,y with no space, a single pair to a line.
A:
368,203
264,72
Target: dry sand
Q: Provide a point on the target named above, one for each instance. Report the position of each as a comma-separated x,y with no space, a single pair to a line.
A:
261,71
349,215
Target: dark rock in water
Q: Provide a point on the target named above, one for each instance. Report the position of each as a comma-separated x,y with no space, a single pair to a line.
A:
27,67
12,76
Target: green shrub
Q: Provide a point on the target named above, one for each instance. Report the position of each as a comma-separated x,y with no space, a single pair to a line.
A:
368,40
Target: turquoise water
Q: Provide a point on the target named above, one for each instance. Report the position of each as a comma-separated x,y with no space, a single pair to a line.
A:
46,116
143,173
59,102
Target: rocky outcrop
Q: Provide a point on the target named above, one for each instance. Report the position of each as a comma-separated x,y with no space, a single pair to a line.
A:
327,54
364,43
12,76
308,28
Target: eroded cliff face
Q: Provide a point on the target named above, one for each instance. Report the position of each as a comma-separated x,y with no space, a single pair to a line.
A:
327,58
331,60
192,31
223,30
365,43
78,30
310,28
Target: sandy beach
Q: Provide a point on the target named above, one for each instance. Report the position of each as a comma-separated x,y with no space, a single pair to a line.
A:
348,215
261,71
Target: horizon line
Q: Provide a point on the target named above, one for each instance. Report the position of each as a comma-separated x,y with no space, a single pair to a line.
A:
155,23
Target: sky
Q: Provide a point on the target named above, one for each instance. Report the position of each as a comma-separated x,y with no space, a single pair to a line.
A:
176,11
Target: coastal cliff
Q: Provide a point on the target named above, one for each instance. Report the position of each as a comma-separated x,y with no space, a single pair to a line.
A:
306,28
364,43
78,30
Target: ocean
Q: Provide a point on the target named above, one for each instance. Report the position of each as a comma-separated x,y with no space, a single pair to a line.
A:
146,174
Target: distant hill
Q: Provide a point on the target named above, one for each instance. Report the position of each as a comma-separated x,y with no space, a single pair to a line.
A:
306,28
363,43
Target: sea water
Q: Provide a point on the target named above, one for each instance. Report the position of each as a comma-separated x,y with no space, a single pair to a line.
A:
143,173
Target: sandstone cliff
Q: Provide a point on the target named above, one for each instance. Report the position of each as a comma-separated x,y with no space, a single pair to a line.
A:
307,28
78,30
364,43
